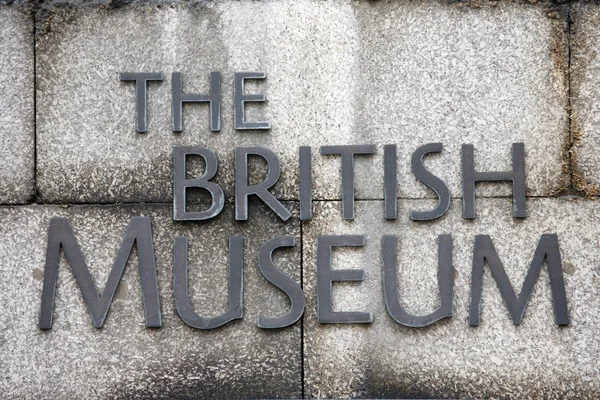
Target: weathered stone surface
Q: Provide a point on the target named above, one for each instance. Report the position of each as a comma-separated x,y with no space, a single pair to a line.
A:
585,92
338,72
490,77
449,359
125,359
16,106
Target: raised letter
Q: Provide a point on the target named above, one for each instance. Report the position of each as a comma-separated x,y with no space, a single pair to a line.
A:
347,153
390,283
326,276
60,234
390,189
517,176
141,81
243,190
282,281
236,285
435,183
547,249
213,98
305,183
240,98
180,184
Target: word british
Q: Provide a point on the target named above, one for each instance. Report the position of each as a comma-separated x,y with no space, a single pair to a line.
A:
347,153
139,231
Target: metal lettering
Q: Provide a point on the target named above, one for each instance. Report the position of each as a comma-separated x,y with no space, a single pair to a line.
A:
348,153
390,283
548,249
435,183
240,98
243,190
141,82
213,98
305,183
326,276
390,172
61,235
517,176
236,285
180,184
282,281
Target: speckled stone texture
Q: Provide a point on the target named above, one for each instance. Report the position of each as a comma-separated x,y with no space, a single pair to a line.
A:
450,359
125,359
338,72
585,91
16,105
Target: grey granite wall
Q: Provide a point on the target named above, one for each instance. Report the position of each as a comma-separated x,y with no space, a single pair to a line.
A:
339,72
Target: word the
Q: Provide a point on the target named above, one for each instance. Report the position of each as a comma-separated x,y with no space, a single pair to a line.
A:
213,98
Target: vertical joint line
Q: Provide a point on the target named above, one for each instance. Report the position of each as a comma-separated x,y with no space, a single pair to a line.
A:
569,104
34,12
303,316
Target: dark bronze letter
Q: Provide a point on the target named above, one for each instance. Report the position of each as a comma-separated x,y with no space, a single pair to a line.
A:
435,183
326,276
347,153
60,234
390,176
180,184
305,183
547,249
243,190
282,281
236,285
390,283
240,98
213,98
517,176
141,81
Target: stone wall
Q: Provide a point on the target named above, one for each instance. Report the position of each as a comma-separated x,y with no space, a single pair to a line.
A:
338,72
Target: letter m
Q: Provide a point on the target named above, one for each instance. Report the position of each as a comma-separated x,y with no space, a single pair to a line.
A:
61,235
547,249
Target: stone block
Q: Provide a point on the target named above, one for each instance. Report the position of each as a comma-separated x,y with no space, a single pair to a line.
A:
585,92
450,359
124,359
338,73
16,106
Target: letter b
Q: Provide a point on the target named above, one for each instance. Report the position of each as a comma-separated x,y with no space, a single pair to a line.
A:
180,184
